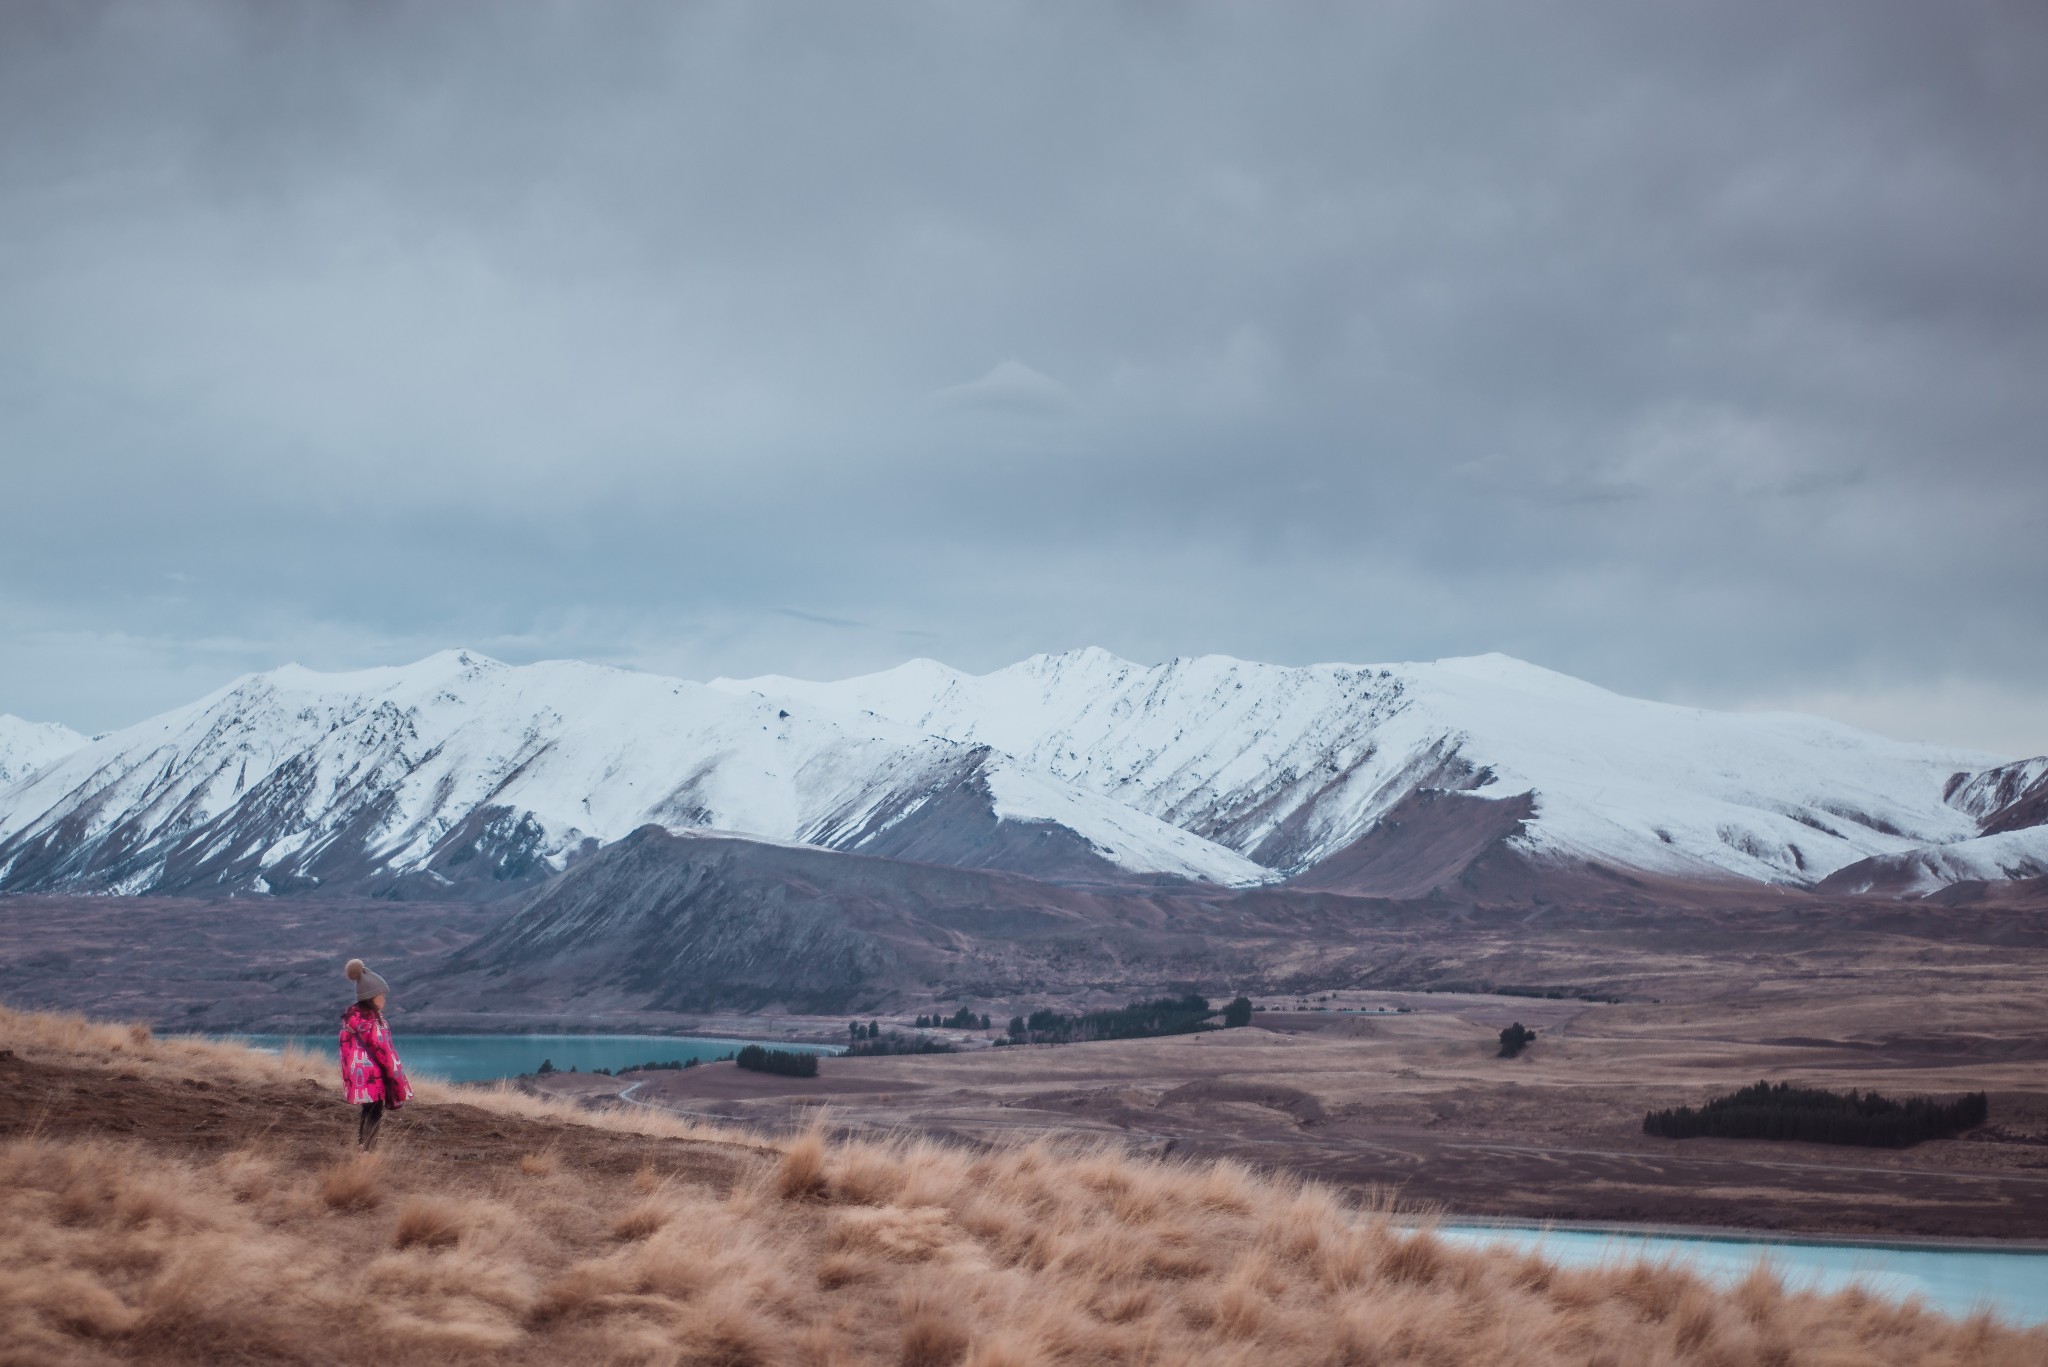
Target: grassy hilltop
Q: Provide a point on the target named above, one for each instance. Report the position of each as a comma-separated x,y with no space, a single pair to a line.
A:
179,1201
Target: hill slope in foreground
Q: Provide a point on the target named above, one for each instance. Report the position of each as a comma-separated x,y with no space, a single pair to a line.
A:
172,1201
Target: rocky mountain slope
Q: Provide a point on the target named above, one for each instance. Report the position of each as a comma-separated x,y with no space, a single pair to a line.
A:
2009,804
689,922
2010,797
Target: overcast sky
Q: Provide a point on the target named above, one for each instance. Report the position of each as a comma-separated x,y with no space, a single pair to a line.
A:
1698,350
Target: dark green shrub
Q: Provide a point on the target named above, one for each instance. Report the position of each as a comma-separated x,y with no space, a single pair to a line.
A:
895,1042
1239,1012
786,1062
1812,1115
1514,1039
1139,1020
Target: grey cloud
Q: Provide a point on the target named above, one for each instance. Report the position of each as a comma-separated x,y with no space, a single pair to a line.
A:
826,619
1693,348
1010,387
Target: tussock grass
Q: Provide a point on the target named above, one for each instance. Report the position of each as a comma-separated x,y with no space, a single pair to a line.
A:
802,1169
429,1222
896,1251
932,1335
355,1183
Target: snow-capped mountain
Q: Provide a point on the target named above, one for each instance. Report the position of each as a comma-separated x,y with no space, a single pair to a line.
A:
1389,779
26,746
460,766
1290,766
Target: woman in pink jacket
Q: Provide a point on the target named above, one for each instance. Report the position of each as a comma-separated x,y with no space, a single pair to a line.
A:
371,1075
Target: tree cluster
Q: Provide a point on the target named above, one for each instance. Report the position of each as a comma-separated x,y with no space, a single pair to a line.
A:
1139,1020
1514,1039
1782,1111
787,1062
896,1042
963,1019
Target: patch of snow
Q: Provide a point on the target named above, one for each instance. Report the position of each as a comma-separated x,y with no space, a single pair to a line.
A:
1991,858
27,746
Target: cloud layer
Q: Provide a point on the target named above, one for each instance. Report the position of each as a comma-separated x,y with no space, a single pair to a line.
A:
1693,349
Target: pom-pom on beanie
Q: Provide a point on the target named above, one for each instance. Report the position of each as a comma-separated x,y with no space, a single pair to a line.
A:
368,984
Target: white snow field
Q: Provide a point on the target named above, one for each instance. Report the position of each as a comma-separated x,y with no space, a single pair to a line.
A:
1929,868
26,746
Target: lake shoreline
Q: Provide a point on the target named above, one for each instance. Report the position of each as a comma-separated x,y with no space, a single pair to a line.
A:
1731,1234
473,1059
402,1025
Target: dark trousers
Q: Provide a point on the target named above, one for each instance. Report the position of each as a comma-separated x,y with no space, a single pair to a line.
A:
366,1127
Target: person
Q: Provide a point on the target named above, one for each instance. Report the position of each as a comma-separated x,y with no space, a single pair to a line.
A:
371,1075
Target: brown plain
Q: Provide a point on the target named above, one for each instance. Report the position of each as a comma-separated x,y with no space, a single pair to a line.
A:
1403,1091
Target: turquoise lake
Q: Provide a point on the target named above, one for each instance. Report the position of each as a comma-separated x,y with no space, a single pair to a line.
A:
481,1058
1958,1281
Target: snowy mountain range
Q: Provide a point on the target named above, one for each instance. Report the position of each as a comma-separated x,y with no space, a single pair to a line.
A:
1292,767
460,775
459,767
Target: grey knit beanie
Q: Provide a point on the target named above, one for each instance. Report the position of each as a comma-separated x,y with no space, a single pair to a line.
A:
368,984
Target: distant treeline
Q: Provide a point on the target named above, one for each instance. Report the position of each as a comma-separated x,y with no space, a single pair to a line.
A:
1782,1111
1555,994
896,1042
547,1066
963,1019
1139,1020
787,1062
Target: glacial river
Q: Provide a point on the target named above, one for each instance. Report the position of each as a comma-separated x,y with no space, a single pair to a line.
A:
2012,1285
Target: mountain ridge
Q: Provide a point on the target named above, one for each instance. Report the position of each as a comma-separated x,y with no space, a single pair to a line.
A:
299,779
1288,765
459,772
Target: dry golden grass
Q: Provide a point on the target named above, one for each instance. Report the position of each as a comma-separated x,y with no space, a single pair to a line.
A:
355,1183
429,1222
899,1251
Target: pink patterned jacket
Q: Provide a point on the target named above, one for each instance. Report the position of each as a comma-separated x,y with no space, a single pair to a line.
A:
370,1070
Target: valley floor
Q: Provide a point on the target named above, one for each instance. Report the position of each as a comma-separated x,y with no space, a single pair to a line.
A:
181,1201
1403,1091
